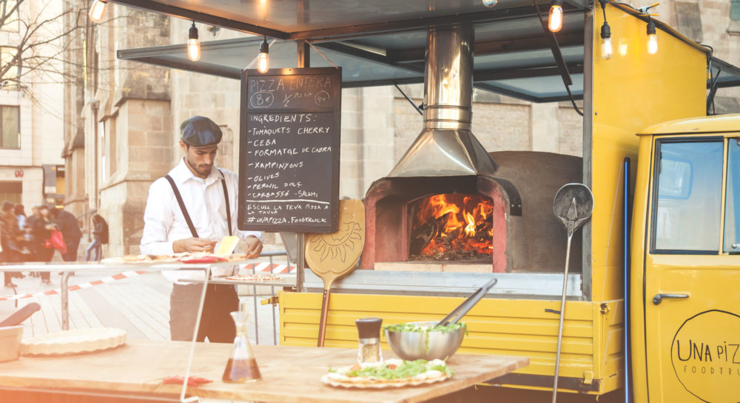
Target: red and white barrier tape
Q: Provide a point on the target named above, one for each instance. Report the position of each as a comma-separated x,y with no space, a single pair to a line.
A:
264,267
115,277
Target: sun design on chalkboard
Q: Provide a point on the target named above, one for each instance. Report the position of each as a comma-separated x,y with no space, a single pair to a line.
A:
340,243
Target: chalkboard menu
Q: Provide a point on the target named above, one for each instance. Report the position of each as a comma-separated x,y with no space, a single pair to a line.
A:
289,156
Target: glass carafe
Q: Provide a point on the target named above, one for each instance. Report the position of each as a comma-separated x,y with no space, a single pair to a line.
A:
242,366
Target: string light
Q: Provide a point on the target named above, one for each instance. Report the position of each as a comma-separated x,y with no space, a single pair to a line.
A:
555,20
606,42
490,3
652,38
607,51
263,60
193,44
97,10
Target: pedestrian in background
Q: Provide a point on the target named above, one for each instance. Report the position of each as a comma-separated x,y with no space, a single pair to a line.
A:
100,237
42,227
31,244
12,241
67,224
20,214
11,238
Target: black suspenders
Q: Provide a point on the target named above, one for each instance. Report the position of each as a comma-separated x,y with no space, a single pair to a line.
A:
185,210
226,198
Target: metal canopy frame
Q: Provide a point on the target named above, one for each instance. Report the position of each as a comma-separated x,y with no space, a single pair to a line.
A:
340,31
345,39
509,57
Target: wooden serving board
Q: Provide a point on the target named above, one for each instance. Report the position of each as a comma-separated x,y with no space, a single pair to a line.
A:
289,374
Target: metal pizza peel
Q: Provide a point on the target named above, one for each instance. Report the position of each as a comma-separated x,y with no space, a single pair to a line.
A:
573,206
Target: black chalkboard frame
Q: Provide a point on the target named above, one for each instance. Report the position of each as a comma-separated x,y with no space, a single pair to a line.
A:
333,224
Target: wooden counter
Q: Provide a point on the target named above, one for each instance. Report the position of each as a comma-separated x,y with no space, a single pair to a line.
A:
290,374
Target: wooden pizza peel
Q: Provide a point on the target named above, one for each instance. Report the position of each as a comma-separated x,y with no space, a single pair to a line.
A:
331,256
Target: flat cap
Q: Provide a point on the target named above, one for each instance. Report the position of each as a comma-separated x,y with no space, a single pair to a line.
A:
200,131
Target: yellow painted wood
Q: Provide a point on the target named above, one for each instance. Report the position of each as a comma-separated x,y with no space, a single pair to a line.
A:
496,326
631,93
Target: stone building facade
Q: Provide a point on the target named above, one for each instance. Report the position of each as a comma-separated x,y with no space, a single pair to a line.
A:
31,121
126,134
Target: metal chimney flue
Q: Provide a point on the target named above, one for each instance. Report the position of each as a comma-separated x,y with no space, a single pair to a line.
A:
446,146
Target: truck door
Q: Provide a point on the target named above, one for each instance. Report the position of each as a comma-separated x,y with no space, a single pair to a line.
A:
692,272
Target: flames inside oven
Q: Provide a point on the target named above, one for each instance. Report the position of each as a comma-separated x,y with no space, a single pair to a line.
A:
451,227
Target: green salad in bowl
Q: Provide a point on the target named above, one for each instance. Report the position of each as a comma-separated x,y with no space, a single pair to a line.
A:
425,340
415,327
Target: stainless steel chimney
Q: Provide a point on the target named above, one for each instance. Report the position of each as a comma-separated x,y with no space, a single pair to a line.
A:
446,146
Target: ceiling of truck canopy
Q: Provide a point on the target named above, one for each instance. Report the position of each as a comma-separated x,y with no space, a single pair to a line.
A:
382,42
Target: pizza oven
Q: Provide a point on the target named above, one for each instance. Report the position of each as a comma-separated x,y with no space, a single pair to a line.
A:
443,203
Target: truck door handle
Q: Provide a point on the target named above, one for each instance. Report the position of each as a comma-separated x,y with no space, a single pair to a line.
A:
659,297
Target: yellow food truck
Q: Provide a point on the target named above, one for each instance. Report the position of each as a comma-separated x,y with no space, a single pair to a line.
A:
652,311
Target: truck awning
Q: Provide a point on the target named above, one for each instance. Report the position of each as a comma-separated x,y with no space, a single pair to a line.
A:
382,42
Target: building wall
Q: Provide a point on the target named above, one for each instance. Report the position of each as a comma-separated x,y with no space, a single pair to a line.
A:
710,22
40,99
130,127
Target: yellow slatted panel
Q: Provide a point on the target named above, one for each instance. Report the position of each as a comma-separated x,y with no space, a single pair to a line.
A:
497,326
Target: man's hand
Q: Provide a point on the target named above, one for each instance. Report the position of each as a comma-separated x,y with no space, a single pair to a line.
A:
252,247
193,245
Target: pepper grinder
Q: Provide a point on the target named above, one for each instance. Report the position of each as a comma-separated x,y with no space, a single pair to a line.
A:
369,340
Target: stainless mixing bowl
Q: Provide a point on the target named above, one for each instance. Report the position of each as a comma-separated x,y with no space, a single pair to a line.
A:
413,345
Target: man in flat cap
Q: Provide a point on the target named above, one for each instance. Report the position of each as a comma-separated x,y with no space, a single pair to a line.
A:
190,210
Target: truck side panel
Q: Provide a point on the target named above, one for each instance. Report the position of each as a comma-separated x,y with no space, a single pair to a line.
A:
592,339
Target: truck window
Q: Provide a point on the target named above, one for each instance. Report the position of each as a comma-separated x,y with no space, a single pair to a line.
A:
732,203
689,192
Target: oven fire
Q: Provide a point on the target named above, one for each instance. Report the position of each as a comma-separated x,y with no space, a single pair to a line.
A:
456,227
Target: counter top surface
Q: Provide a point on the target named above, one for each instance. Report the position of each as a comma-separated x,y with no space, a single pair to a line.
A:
289,374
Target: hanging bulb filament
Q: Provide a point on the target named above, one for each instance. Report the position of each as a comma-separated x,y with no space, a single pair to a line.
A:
652,38
607,51
263,60
555,20
193,44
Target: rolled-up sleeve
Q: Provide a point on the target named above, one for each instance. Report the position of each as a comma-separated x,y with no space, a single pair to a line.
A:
158,219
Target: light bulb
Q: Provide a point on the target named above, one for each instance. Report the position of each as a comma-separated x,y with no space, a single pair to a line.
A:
193,50
652,38
193,44
263,62
555,21
606,48
652,44
490,3
97,11
606,42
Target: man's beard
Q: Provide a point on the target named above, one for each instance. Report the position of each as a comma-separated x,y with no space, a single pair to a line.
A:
201,169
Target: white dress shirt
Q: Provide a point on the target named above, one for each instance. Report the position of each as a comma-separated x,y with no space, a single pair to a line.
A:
164,222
